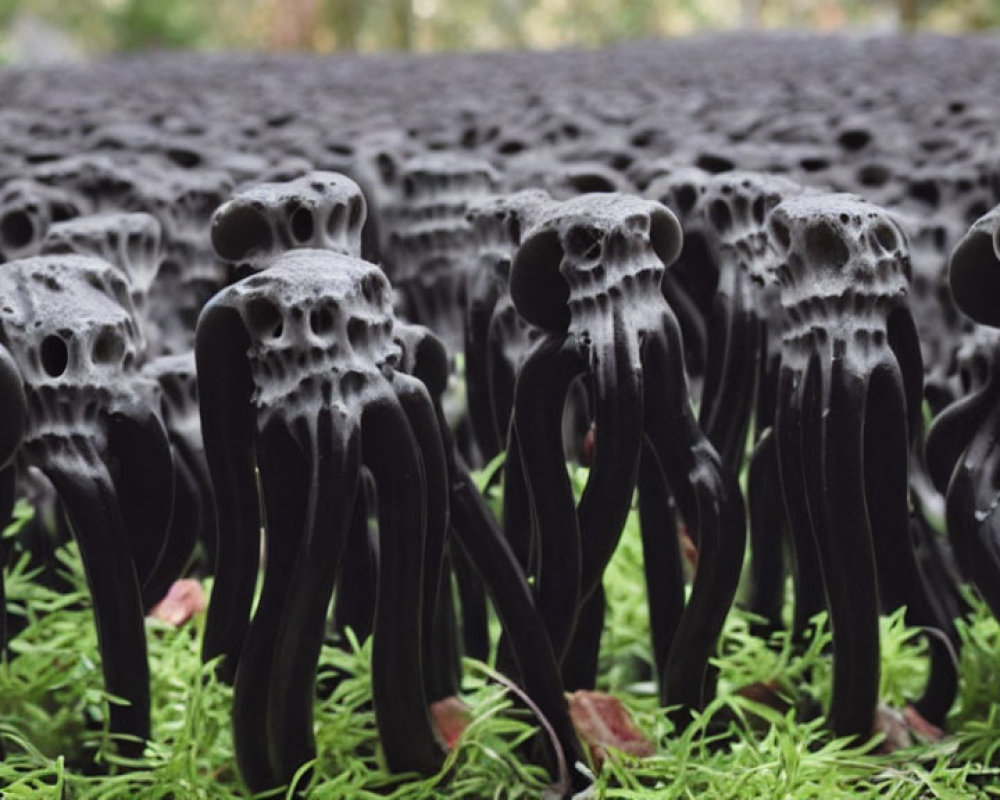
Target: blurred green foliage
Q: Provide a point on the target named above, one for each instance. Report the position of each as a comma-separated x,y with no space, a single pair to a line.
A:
100,26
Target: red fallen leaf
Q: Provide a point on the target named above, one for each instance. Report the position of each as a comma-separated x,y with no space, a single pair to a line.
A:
602,722
924,730
185,598
891,722
689,550
766,693
588,446
450,716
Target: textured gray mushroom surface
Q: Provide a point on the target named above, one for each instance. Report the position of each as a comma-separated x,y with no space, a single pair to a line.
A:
240,284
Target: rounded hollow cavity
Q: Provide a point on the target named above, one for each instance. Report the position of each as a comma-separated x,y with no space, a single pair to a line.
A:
974,275
538,289
54,355
239,230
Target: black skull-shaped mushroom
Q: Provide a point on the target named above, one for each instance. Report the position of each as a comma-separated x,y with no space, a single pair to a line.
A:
588,274
93,428
848,404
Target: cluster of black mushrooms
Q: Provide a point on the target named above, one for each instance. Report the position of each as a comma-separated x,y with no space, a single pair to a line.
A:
232,290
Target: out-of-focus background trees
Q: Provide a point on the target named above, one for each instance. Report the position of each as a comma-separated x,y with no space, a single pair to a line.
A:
34,30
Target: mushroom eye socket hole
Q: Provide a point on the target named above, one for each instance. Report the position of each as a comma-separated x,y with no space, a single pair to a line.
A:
539,291
302,224
335,221
974,276
16,230
714,163
514,229
264,318
386,168
591,182
926,191
665,236
322,321
873,176
884,237
780,234
853,139
824,247
184,158
720,216
54,355
583,242
685,197
108,348
239,230
356,213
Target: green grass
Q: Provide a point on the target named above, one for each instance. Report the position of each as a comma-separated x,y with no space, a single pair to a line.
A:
52,716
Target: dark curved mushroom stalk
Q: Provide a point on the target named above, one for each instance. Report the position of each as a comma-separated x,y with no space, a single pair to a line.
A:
132,243
354,602
442,670
973,370
690,283
94,430
497,339
725,221
41,537
497,342
728,213
193,517
426,250
588,274
296,377
962,446
14,414
474,529
849,398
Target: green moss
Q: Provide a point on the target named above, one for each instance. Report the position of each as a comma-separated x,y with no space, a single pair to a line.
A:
52,712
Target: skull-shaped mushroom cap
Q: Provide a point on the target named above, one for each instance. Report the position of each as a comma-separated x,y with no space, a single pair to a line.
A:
974,272
67,314
177,377
679,187
322,210
27,209
560,178
320,326
95,177
823,234
437,177
129,241
75,346
587,248
425,230
741,199
499,221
